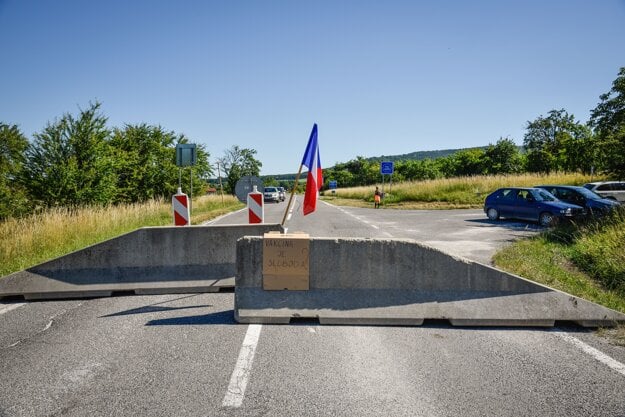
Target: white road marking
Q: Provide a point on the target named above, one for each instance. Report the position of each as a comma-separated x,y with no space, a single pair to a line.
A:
290,209
8,307
223,216
597,354
241,374
360,219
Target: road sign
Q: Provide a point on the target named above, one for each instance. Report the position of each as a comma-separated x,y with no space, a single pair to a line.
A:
387,168
186,154
245,185
332,185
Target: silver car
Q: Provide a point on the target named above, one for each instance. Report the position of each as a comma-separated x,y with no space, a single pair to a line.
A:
271,194
614,190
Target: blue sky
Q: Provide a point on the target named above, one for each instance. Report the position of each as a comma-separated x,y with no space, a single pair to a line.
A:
379,77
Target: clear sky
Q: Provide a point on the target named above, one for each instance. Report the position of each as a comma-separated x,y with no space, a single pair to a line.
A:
379,77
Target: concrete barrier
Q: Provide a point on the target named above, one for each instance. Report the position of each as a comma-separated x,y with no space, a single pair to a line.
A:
402,282
151,260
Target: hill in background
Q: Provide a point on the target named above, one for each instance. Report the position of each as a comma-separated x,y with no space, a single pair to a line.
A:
419,155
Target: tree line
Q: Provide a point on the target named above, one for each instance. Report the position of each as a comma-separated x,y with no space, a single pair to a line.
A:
79,160
552,143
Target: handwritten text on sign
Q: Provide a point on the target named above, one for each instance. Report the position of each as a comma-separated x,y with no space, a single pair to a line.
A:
285,261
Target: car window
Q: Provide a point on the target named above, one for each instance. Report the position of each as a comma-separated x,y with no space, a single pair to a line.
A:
588,194
522,194
604,187
506,194
543,195
619,187
553,191
589,186
270,189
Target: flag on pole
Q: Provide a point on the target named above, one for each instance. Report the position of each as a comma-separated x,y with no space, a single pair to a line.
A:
315,174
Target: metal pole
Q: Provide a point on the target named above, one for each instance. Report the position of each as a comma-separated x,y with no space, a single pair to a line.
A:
191,194
220,185
292,193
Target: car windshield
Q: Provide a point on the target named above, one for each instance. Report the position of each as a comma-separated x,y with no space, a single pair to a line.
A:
589,186
542,195
270,190
588,194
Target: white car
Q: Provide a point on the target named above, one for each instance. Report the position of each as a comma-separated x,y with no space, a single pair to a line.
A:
614,190
271,194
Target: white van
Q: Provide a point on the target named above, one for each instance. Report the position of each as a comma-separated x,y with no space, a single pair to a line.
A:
614,190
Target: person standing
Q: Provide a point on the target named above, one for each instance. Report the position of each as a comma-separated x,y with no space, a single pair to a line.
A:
377,198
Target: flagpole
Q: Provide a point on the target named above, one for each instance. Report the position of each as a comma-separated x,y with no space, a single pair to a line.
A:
292,194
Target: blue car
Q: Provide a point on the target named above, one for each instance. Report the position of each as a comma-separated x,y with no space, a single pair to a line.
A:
534,204
594,204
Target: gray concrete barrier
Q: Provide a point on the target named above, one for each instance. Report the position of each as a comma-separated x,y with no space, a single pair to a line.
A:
151,260
402,282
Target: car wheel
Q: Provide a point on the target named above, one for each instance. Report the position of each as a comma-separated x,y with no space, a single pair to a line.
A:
546,219
492,214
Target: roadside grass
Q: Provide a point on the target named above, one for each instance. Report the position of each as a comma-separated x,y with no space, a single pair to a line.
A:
461,192
28,241
585,260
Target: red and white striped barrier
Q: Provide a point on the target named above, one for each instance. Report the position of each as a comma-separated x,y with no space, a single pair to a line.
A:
180,203
255,208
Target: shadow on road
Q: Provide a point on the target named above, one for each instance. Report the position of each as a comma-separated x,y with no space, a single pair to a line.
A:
220,317
512,225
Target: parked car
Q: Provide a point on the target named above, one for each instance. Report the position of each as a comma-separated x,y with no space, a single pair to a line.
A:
282,193
591,201
533,204
271,194
614,190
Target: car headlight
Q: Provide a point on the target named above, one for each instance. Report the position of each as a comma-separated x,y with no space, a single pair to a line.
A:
566,211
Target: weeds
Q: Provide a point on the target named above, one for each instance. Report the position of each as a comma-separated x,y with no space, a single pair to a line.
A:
28,241
465,191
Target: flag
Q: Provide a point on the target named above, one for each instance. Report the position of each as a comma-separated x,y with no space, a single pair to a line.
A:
315,174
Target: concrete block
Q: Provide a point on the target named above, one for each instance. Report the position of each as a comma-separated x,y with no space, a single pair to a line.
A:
403,282
151,260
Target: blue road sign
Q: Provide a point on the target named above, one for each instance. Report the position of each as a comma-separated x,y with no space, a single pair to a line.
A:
332,185
387,168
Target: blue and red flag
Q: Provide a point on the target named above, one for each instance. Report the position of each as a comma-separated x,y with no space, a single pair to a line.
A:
315,174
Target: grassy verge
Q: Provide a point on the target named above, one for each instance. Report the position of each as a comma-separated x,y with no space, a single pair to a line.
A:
587,260
29,241
463,192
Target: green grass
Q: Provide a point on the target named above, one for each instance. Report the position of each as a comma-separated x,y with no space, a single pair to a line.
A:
462,192
35,239
587,260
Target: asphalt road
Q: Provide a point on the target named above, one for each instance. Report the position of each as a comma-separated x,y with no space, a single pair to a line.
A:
184,354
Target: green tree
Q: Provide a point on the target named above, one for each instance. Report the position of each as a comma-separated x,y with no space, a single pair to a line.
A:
469,162
13,197
503,157
239,162
145,162
608,121
548,138
71,163
413,170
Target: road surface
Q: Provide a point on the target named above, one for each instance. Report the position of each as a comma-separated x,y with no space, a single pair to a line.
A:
184,354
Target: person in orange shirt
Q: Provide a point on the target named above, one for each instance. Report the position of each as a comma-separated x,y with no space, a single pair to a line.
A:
377,198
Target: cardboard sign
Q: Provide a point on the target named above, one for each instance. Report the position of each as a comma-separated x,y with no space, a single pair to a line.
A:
285,261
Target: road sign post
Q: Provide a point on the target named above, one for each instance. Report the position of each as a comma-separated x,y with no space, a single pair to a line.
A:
387,168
